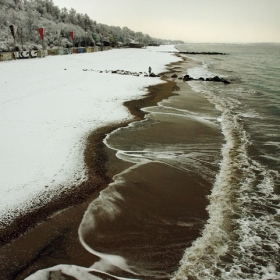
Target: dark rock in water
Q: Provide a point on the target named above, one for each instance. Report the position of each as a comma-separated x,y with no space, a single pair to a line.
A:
152,75
209,53
114,72
187,78
216,79
225,81
174,76
180,78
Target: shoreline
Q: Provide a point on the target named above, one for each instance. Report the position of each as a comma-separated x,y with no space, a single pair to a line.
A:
97,173
102,166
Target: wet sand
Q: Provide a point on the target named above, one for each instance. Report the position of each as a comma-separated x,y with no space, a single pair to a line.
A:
49,235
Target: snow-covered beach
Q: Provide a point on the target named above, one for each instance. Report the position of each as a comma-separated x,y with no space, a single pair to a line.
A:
145,198
48,108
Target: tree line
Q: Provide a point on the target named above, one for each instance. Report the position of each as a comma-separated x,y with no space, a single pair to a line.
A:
20,20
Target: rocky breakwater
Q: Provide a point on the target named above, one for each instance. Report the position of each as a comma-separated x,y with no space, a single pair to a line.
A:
207,53
214,79
174,76
125,72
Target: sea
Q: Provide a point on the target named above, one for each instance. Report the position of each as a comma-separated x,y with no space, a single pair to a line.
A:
200,196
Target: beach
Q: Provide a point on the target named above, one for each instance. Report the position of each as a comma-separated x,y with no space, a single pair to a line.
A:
57,221
167,179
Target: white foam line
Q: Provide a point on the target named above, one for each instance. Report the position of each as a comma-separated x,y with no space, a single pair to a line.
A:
160,105
191,117
214,238
80,273
107,261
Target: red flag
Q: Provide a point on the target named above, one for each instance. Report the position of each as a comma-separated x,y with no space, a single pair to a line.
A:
41,32
72,35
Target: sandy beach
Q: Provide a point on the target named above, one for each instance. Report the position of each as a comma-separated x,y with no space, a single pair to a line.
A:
49,237
59,220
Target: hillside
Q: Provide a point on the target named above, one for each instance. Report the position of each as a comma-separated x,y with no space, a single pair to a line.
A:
26,16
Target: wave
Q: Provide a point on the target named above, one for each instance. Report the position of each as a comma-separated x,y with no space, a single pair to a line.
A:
241,237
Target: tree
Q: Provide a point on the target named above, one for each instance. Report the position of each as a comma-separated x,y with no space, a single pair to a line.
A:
64,16
31,24
72,17
28,15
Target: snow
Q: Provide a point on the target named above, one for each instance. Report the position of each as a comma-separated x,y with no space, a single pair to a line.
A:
48,106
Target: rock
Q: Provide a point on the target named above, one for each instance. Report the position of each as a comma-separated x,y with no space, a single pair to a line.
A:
152,75
211,53
201,79
225,81
174,76
187,78
216,79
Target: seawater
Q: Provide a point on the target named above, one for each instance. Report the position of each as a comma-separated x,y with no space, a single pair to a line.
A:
201,197
241,237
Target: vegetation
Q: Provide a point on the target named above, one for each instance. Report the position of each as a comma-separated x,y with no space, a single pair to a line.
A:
28,15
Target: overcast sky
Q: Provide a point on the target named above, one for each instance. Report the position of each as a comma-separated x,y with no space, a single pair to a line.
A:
188,20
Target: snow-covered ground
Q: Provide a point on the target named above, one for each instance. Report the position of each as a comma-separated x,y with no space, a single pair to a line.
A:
47,108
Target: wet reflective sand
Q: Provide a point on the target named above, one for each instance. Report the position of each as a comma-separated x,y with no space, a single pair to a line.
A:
154,209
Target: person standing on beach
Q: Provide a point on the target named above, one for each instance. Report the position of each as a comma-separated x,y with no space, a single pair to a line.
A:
150,70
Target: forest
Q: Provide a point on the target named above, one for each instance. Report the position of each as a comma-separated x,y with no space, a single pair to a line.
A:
20,20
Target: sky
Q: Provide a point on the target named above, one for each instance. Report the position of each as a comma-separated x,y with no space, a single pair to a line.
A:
197,21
